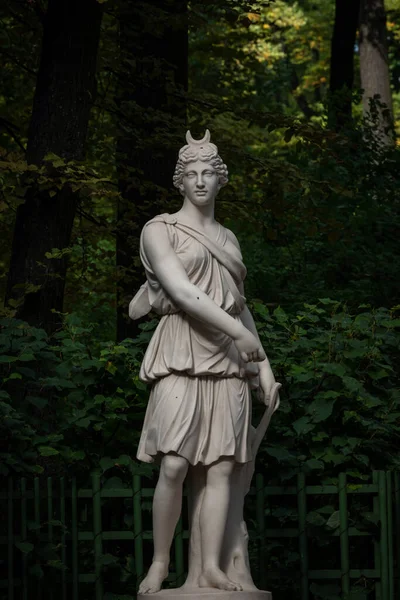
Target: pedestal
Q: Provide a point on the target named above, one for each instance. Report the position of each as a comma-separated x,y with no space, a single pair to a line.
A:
183,593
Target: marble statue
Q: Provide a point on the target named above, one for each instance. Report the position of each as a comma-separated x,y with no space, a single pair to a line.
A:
202,362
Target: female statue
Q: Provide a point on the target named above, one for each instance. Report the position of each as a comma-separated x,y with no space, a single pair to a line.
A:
202,361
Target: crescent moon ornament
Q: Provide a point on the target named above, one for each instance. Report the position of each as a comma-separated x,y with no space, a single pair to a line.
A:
192,142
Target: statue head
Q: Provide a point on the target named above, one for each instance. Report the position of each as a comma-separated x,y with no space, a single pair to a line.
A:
204,151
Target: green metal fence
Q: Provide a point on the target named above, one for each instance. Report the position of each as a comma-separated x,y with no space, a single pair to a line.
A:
57,512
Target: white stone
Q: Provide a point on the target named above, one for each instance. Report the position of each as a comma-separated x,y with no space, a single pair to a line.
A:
209,594
203,359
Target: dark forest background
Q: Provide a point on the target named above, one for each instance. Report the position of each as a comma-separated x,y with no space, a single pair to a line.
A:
303,100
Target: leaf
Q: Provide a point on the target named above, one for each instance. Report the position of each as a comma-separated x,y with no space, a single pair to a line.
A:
316,519
56,523
280,453
321,408
352,384
125,460
59,383
114,483
47,451
72,455
40,403
326,591
7,359
334,369
27,372
26,357
370,517
106,463
25,547
37,571
314,464
84,423
378,374
303,425
391,323
280,315
57,564
111,368
108,559
334,520
363,459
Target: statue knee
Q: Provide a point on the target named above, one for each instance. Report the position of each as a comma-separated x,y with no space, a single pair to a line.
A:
174,469
220,471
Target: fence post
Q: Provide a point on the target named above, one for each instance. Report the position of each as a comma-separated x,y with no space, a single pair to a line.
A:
344,534
384,535
302,511
50,517
63,539
179,561
390,529
36,495
397,528
24,524
97,533
377,553
10,533
74,535
137,525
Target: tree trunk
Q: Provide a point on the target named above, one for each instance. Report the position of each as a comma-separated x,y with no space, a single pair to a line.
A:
152,109
60,116
342,62
374,69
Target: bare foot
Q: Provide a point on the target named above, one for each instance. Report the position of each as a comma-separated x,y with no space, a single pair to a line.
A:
215,578
154,578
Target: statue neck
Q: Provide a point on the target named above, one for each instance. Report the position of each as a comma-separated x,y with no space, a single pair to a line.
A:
201,215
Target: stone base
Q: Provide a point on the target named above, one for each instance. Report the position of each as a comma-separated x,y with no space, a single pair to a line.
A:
184,593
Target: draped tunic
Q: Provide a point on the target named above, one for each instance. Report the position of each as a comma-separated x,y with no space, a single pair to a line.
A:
199,406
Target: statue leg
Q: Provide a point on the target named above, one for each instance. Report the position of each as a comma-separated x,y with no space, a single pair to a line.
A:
196,487
235,559
213,519
167,505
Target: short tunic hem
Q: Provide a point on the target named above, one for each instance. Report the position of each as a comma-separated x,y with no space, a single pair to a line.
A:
199,418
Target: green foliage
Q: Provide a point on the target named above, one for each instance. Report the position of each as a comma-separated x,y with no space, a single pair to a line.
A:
69,402
71,405
341,396
315,212
66,403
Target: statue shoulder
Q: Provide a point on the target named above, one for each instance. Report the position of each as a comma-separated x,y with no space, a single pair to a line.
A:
156,234
232,237
163,218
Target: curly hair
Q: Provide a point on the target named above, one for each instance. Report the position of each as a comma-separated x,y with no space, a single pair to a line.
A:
207,152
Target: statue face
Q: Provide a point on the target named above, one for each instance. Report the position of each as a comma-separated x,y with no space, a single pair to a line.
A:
200,183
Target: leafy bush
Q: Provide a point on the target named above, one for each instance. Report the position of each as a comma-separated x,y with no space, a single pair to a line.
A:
65,405
341,397
69,406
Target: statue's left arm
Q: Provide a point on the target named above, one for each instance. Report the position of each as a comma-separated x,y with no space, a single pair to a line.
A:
267,379
265,373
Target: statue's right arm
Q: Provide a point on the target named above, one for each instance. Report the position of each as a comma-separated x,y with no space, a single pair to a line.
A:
173,278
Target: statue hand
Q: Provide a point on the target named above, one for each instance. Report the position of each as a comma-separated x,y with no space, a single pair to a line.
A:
248,346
